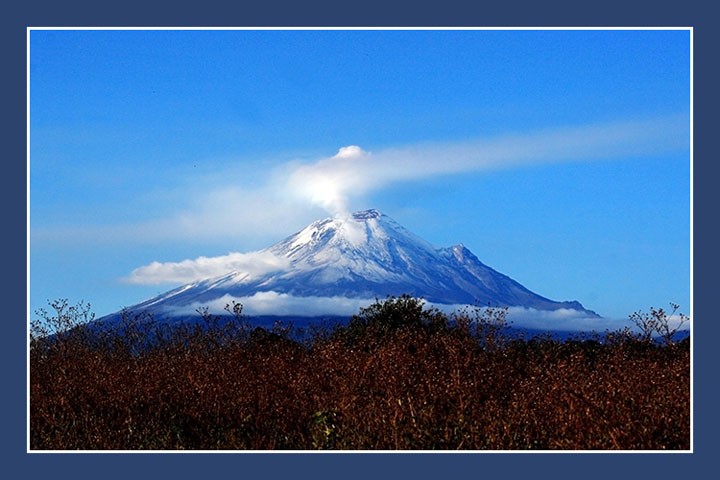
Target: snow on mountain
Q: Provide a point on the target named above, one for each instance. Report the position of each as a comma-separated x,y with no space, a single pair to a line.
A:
364,256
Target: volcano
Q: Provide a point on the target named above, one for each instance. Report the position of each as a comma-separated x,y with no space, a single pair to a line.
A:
356,258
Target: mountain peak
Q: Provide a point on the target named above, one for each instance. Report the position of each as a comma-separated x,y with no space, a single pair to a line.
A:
366,214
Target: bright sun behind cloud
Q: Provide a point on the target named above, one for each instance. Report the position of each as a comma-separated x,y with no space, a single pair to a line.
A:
329,182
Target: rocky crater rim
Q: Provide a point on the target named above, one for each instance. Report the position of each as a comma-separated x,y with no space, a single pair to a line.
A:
366,214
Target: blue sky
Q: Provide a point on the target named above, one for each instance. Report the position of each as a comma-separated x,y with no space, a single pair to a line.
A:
560,158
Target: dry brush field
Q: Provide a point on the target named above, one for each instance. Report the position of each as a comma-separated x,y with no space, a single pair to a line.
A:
398,376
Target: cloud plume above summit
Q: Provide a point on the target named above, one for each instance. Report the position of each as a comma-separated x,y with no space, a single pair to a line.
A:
332,182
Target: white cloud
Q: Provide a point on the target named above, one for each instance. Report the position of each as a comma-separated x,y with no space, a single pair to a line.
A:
186,271
351,151
282,304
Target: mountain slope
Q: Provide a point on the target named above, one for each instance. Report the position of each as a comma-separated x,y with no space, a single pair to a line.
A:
365,256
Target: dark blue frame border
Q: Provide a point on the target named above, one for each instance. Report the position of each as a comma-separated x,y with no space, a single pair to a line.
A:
611,13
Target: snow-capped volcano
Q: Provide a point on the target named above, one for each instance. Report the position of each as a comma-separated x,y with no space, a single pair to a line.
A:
363,256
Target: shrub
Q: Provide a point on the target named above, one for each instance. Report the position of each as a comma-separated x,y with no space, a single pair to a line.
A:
658,323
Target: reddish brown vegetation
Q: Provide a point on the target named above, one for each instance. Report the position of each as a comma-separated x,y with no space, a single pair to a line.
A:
397,377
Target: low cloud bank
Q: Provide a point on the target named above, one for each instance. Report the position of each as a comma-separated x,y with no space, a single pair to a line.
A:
283,304
564,319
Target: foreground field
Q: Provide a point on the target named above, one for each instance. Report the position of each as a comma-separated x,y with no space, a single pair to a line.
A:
399,376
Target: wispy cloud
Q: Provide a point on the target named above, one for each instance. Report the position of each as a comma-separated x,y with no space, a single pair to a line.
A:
250,203
187,271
